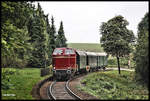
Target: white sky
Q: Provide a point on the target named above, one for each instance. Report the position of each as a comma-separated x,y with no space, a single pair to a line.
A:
81,20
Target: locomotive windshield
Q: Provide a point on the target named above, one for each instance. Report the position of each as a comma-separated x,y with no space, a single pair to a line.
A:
69,51
58,51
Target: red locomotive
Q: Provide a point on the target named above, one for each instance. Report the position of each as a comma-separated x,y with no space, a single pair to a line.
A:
67,62
64,62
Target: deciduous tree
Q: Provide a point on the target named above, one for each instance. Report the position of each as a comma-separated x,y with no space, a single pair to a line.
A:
116,38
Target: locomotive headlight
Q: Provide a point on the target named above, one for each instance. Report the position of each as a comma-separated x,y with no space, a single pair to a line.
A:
68,71
54,68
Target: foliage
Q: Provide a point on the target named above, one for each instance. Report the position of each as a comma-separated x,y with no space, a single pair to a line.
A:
116,38
123,62
6,81
52,34
112,86
61,39
112,62
14,35
38,38
51,30
142,51
27,37
49,50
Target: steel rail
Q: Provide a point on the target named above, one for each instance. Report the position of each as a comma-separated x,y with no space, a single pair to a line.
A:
70,91
67,89
50,94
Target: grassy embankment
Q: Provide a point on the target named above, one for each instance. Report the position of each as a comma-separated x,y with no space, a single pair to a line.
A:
20,83
110,85
91,47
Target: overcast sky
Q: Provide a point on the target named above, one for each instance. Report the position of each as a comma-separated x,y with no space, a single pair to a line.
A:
81,20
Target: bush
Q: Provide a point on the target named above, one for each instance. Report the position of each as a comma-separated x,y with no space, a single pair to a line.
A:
122,60
45,71
112,61
6,73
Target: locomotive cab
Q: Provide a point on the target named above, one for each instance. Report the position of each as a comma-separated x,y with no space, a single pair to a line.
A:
64,62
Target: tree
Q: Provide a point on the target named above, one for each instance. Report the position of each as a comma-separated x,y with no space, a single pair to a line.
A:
49,48
141,55
14,35
52,34
38,34
116,38
61,39
26,35
51,30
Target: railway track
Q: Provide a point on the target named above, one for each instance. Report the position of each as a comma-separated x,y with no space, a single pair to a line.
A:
60,91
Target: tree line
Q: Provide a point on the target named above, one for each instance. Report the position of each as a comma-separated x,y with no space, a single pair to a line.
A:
27,36
117,40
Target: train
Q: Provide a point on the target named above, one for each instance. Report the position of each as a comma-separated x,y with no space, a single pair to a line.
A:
68,62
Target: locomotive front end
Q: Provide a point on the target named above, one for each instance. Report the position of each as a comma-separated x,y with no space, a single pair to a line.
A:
64,63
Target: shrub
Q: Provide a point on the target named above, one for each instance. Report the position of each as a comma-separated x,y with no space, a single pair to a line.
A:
6,73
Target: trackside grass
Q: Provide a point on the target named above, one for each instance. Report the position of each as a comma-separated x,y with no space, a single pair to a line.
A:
110,85
21,83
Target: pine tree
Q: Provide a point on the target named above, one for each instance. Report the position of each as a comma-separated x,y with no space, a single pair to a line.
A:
51,30
52,34
61,39
39,38
49,48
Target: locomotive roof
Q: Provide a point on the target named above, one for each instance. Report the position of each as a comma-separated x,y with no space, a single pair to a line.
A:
64,51
64,48
88,53
81,52
101,54
91,53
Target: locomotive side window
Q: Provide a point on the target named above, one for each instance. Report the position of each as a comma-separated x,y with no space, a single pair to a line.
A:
69,51
58,51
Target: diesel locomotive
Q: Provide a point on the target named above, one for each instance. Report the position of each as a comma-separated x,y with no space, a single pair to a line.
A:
67,62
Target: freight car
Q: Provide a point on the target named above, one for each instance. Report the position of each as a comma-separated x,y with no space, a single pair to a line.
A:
67,62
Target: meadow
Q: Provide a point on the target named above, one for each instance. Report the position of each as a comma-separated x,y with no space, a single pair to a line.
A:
112,86
92,47
18,83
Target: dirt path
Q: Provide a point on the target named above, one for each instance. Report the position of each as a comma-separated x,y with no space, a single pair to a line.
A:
120,69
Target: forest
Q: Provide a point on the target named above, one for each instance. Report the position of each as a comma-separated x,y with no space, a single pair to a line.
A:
28,37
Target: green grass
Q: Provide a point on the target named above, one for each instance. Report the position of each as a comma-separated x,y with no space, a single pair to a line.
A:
112,86
21,83
92,47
